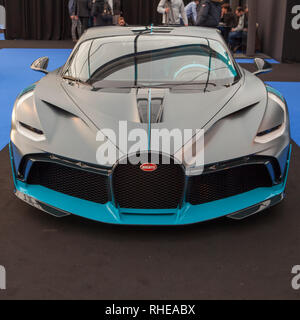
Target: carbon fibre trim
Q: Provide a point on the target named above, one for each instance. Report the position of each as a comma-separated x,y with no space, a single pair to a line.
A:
243,214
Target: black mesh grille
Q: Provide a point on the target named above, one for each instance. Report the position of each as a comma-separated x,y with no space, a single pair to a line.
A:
227,183
73,182
159,189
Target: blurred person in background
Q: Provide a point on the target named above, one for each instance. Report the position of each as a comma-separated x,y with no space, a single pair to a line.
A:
246,10
82,13
75,21
102,13
191,11
239,31
122,22
209,13
172,11
116,8
227,21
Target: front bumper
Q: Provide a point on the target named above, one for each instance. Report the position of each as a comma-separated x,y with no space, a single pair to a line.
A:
236,207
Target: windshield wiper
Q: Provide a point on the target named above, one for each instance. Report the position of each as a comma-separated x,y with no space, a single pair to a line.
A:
76,80
153,86
174,85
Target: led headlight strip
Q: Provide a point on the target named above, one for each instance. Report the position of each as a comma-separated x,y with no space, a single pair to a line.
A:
26,130
276,132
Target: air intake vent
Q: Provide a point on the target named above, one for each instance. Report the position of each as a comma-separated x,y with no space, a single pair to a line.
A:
227,183
73,182
156,110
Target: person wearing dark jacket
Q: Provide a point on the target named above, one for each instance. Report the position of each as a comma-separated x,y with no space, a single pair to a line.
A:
227,16
239,32
82,10
227,21
116,11
102,13
209,13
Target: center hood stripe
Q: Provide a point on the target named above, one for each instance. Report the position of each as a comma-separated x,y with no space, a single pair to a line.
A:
149,119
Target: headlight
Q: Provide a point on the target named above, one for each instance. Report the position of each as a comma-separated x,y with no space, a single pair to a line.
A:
25,119
274,121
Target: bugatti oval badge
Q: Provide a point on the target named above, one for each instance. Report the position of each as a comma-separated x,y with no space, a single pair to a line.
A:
148,167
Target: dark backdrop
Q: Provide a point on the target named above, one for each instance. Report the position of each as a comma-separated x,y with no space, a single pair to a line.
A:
49,19
142,11
37,19
270,33
291,43
279,40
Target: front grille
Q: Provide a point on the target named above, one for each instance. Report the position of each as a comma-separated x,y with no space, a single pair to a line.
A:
227,183
137,189
71,181
159,189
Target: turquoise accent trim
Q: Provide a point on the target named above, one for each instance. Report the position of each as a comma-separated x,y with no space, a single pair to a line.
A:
189,214
26,90
190,66
226,61
144,211
149,119
12,163
276,92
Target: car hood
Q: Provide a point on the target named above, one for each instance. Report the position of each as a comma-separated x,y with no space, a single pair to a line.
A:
105,108
188,109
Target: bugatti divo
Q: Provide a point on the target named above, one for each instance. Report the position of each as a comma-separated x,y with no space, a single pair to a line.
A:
163,78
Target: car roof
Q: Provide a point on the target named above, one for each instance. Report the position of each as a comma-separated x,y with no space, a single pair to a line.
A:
111,31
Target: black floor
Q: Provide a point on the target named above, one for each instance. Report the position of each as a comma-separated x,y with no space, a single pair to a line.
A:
49,258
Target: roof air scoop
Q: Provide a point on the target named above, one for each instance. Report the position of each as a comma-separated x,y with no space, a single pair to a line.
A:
154,108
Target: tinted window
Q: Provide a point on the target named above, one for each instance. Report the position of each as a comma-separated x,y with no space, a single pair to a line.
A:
158,60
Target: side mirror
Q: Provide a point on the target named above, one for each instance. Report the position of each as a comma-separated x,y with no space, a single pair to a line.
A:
262,66
41,65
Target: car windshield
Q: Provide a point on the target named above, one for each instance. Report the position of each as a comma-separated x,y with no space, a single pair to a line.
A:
151,60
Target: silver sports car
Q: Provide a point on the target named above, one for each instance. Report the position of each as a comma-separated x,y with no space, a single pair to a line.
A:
85,139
